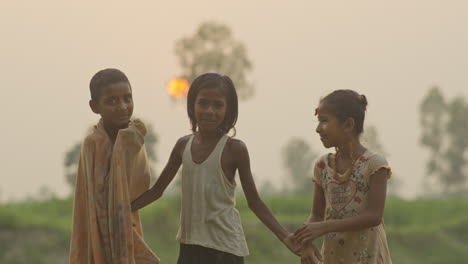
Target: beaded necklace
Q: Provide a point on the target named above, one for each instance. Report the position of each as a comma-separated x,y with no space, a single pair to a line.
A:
347,174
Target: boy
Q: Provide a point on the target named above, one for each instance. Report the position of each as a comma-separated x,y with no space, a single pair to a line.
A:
112,171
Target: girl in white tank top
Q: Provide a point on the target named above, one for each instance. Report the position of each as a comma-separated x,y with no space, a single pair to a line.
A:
210,230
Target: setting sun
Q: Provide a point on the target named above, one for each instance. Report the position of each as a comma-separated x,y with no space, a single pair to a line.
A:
177,87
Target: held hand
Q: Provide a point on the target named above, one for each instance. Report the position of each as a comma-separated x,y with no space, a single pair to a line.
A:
309,231
311,255
292,244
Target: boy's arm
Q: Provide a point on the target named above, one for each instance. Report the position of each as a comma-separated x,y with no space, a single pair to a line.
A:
165,178
371,216
254,201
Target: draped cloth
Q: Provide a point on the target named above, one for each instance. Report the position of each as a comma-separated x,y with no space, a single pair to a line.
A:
110,176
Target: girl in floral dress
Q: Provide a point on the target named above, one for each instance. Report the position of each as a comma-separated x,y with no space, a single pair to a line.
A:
350,189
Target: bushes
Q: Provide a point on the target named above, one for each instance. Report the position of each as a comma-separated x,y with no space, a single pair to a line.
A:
419,231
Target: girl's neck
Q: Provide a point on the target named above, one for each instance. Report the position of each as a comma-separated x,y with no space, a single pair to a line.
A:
350,150
207,136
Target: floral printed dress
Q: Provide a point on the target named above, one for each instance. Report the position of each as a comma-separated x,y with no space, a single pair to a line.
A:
348,199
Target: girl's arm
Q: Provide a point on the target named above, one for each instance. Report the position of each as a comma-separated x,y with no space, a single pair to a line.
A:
317,213
371,216
310,253
254,201
166,177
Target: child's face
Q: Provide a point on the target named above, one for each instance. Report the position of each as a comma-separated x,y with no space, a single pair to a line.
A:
115,105
330,129
210,109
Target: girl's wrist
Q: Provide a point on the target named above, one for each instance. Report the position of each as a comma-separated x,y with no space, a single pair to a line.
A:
327,227
283,235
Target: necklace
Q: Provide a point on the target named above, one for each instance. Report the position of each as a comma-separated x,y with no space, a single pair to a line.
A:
347,174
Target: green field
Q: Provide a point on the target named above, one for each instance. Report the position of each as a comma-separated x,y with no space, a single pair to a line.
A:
419,231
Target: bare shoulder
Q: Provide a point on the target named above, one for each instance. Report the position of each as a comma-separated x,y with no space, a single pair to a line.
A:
237,147
181,143
183,140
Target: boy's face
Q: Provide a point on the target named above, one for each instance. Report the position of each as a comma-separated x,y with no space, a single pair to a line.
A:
115,105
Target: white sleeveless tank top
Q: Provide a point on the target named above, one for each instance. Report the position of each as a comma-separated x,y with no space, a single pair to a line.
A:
208,216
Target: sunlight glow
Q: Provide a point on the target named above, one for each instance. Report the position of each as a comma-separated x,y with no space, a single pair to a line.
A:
178,87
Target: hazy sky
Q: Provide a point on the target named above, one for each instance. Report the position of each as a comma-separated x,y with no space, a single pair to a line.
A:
391,51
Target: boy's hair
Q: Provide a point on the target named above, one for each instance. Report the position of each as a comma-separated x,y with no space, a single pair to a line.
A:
226,86
348,104
104,78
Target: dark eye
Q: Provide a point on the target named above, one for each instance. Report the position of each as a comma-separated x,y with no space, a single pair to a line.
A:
112,100
128,99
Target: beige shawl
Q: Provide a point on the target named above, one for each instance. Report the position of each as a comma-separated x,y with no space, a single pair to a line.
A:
105,230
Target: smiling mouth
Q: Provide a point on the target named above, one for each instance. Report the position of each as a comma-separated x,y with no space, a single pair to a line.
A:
124,117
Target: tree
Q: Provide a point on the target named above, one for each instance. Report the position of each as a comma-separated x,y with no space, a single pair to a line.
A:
371,140
45,193
298,159
72,157
444,125
267,188
213,49
151,141
432,111
454,178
